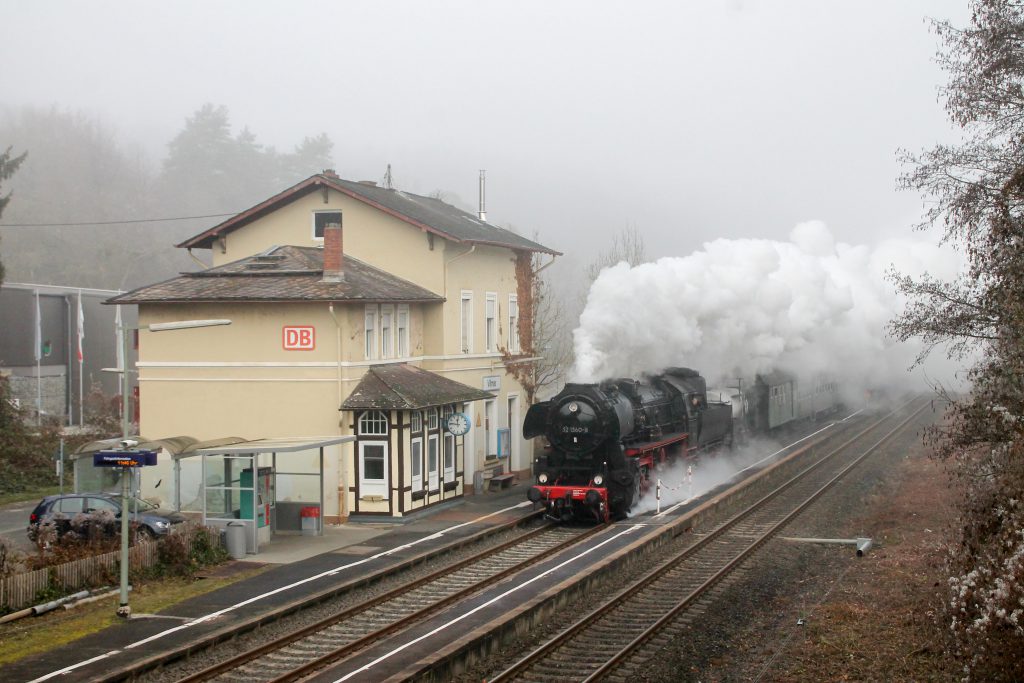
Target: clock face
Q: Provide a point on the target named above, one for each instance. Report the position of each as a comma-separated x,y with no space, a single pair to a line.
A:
458,424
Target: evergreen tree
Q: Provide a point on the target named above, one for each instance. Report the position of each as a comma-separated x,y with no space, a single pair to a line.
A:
8,165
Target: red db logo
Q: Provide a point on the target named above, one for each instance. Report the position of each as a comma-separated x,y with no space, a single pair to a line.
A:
299,338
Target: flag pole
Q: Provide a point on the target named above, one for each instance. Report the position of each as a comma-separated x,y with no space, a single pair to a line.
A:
81,362
38,356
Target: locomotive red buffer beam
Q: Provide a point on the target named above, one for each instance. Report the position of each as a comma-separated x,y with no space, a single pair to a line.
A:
559,499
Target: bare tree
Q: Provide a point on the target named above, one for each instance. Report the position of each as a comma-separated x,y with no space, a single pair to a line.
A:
627,245
976,190
544,349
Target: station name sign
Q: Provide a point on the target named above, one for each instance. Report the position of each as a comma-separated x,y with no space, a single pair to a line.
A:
123,458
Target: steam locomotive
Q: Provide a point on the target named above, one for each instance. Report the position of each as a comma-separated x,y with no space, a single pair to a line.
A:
607,440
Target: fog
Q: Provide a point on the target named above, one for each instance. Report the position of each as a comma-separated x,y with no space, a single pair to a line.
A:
690,121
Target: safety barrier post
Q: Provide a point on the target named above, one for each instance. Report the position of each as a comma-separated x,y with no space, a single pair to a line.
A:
689,480
658,496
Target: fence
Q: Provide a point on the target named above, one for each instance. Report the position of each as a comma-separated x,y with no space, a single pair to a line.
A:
20,590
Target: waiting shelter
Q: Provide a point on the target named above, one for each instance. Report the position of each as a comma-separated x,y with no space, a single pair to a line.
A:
266,486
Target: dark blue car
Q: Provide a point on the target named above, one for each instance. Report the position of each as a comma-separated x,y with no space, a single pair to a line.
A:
60,511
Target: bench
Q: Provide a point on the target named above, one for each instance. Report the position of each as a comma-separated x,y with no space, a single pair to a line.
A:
500,481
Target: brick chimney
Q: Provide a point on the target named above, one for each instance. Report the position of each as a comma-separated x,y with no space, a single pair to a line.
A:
333,253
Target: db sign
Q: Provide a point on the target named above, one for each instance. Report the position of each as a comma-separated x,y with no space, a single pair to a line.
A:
299,338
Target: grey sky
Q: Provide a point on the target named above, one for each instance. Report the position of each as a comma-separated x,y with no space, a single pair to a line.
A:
690,121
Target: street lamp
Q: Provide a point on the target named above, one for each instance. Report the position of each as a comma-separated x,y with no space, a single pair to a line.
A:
124,610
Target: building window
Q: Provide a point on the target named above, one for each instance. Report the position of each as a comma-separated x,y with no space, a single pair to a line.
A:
373,468
402,330
322,219
370,331
416,421
491,322
387,337
513,323
467,322
432,419
449,446
432,471
373,423
416,455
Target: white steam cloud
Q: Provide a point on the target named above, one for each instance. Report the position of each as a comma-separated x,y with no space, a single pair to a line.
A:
739,307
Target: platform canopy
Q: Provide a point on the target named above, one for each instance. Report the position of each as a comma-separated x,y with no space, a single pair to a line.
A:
280,445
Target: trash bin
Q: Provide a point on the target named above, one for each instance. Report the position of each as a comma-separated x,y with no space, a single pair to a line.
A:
234,537
310,517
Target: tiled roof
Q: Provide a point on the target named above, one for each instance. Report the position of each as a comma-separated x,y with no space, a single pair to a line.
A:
426,213
399,386
281,274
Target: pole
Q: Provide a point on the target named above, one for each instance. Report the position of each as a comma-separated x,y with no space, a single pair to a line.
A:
658,496
125,402
124,611
39,356
60,471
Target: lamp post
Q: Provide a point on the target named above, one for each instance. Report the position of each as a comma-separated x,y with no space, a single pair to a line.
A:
124,610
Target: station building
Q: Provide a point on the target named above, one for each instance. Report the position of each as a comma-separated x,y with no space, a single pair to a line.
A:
355,310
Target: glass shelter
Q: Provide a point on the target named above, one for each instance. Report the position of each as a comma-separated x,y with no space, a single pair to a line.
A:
267,485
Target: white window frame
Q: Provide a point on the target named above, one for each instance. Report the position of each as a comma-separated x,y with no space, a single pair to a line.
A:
416,422
373,487
449,446
513,323
387,331
372,423
432,419
416,462
491,321
466,322
433,475
312,227
370,316
402,331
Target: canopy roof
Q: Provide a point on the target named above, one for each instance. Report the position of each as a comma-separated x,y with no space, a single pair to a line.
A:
400,386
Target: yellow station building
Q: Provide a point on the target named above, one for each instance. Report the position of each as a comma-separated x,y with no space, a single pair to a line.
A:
355,310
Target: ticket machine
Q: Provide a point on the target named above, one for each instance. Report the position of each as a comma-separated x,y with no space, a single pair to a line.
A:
264,491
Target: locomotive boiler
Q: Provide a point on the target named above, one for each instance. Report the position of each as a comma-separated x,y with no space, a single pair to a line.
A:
606,440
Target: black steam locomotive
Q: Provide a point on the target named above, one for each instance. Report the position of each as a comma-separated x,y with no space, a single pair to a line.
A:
607,439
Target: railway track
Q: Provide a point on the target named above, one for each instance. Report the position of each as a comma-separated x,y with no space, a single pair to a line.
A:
329,640
592,648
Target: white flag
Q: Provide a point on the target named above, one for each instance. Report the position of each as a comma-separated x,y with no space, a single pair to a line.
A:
81,327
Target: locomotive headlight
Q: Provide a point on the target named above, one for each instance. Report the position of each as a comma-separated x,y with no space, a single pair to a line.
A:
542,477
598,480
573,407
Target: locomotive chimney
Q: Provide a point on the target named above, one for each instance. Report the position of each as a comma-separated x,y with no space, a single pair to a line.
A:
333,253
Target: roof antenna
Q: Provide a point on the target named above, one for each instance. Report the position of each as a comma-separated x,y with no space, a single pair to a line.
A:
482,214
389,182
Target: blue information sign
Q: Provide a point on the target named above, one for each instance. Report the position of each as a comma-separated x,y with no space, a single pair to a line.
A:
123,458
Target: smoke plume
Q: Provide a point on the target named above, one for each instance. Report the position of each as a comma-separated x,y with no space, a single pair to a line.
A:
740,307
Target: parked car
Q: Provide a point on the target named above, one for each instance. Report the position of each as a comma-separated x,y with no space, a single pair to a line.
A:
59,512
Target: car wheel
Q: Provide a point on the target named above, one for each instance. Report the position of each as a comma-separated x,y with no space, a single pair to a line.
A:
144,533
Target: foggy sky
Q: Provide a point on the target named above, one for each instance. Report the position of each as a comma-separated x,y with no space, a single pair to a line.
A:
690,121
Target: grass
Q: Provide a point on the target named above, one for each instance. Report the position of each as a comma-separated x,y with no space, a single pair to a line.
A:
35,635
32,495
